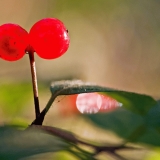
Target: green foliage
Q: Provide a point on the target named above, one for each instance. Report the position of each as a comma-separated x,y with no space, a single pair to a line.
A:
138,119
154,155
121,121
16,144
134,102
64,156
139,123
13,97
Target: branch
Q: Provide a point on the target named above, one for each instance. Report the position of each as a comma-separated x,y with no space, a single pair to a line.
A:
76,87
70,137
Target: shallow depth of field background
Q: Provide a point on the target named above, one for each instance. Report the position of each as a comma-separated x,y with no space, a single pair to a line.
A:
112,42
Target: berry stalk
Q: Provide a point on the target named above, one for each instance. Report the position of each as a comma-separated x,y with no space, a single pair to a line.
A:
34,82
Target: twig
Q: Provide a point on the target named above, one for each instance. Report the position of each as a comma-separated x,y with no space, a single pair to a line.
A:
39,119
70,137
76,87
34,81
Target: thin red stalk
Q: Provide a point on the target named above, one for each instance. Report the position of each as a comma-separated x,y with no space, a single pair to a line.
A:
34,83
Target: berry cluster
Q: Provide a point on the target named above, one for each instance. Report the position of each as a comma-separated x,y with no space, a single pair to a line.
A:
47,37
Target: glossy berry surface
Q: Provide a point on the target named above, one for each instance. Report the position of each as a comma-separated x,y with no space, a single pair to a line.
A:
49,38
13,42
94,102
88,102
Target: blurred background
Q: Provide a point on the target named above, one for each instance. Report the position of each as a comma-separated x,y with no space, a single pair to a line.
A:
112,42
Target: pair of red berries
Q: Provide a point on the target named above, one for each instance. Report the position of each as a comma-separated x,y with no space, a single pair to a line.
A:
47,37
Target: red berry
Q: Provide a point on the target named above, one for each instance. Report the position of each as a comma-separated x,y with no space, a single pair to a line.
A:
94,102
13,42
109,104
49,38
67,105
89,102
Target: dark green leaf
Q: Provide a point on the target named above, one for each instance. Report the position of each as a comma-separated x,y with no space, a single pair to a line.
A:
16,144
151,137
153,117
131,126
75,87
138,103
152,122
121,121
